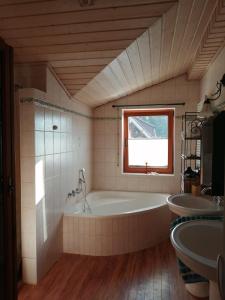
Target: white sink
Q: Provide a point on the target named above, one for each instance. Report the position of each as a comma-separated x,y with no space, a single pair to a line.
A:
189,205
198,244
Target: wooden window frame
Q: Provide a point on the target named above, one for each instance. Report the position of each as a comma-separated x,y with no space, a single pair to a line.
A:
149,112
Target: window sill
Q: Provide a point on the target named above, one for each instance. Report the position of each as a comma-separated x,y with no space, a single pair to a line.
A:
148,174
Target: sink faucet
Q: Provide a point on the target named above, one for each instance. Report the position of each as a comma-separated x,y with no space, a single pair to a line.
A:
218,200
207,190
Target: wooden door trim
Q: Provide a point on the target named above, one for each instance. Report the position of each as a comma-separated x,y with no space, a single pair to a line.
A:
8,173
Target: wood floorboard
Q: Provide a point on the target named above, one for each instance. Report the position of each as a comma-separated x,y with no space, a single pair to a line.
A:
150,274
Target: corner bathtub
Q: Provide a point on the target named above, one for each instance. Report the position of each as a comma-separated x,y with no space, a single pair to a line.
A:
120,222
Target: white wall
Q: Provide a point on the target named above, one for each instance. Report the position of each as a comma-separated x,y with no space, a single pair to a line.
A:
107,143
214,74
50,162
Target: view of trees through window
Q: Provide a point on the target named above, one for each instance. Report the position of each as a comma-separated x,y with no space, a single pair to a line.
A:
160,123
148,126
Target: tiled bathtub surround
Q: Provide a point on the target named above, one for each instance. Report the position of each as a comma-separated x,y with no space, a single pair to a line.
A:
50,161
115,234
107,138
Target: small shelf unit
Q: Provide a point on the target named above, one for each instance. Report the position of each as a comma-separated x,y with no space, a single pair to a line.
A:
190,145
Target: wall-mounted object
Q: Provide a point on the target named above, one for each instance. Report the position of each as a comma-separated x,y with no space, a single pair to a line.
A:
207,109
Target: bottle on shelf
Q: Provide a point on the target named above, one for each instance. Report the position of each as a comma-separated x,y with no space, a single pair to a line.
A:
191,177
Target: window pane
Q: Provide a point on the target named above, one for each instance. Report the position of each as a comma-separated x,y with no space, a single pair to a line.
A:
148,141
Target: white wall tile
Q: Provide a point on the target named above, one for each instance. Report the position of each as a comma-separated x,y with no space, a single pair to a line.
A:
57,164
63,142
39,118
56,120
51,173
48,120
39,143
49,166
56,137
63,123
48,143
27,117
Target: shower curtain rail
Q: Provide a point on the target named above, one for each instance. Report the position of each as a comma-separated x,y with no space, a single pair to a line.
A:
63,109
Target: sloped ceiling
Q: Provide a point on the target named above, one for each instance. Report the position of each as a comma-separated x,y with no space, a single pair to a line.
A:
175,44
77,41
114,47
212,42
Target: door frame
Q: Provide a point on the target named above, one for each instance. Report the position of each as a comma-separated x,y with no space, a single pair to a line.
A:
8,173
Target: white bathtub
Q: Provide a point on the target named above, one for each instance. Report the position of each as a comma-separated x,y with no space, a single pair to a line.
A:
110,203
119,222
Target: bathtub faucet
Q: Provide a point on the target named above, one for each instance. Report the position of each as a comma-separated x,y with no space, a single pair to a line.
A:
81,175
82,188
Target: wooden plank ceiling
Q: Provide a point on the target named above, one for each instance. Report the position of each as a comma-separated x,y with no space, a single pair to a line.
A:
213,41
168,48
77,41
112,48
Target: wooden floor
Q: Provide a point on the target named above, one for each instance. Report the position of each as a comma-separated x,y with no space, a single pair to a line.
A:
146,275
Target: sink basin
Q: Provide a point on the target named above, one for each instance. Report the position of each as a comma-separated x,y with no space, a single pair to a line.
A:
198,244
189,205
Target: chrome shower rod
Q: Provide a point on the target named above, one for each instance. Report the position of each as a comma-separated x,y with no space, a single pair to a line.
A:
148,105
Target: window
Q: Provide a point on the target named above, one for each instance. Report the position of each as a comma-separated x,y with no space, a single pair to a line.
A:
148,141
